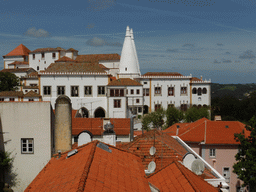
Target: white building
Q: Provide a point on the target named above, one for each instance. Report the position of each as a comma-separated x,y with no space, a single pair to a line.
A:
106,85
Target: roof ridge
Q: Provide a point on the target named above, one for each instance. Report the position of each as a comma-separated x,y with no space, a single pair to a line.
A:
160,169
87,167
192,128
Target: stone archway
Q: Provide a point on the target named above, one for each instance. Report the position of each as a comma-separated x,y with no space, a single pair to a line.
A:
145,109
82,112
99,112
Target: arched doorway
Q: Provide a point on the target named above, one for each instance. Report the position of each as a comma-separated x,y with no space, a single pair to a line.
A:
99,112
82,112
145,109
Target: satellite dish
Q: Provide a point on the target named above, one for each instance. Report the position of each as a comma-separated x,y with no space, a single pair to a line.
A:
197,167
152,150
188,160
151,166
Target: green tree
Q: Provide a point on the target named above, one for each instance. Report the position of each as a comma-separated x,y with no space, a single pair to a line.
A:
245,167
8,81
156,119
193,114
173,115
5,163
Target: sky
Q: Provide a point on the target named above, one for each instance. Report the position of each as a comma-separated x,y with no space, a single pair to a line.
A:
215,39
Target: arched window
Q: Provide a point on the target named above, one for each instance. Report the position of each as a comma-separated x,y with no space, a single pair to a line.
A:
194,91
204,90
99,113
82,112
145,109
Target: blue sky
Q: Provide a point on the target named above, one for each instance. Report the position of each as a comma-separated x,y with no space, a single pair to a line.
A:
212,38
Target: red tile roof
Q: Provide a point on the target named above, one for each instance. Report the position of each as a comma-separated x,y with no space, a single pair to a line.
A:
48,50
95,58
92,169
176,177
11,93
124,82
71,50
18,63
217,132
65,59
162,74
17,70
95,125
21,50
75,67
32,94
103,67
196,79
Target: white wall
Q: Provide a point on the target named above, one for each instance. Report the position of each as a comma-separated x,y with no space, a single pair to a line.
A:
204,99
39,61
27,120
9,60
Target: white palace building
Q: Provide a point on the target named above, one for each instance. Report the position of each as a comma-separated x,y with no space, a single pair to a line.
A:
101,85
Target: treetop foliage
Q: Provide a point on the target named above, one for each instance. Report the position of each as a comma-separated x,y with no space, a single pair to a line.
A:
8,81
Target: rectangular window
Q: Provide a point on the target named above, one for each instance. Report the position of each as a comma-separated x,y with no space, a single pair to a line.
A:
101,91
145,83
170,91
42,55
34,56
27,146
116,92
47,90
139,109
61,90
157,90
183,91
121,92
183,107
30,99
226,174
74,91
212,152
157,107
53,55
137,100
88,90
11,99
1,99
145,92
138,91
132,91
117,103
37,68
112,92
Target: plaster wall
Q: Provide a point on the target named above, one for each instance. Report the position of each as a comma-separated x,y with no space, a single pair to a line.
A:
203,99
9,60
42,63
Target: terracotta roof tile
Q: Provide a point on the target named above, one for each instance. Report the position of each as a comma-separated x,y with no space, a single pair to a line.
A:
21,50
176,177
18,63
196,79
18,70
161,74
11,93
95,58
103,67
217,132
92,169
32,94
74,67
48,50
71,50
33,74
65,59
124,82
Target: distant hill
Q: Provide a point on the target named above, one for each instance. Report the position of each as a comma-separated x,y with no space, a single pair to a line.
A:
236,90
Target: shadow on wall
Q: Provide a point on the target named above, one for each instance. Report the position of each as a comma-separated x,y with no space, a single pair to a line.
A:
7,173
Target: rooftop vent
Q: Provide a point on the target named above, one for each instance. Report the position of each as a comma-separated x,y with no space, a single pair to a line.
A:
71,153
226,126
178,126
104,147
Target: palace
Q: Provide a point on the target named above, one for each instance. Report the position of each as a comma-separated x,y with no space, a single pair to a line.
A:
101,85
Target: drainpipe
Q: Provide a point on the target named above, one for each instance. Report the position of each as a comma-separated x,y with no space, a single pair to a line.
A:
131,127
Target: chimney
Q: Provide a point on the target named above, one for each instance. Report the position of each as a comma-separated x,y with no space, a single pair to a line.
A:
109,136
132,127
63,125
177,130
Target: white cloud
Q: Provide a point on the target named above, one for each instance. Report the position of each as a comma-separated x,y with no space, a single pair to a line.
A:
33,32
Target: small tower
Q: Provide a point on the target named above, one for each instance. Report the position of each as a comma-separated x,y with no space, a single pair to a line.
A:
128,63
63,124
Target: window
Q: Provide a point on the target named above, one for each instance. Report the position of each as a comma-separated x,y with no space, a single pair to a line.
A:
183,91
42,55
88,90
27,146
138,91
61,90
125,68
183,107
117,103
145,83
170,91
194,91
26,91
157,107
37,68
116,92
137,100
1,99
132,91
145,92
139,109
44,62
204,91
212,152
33,85
11,99
47,90
34,56
199,91
226,174
101,90
74,91
53,55
30,99
157,90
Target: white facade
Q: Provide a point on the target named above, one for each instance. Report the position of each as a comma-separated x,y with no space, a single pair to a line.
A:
31,124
